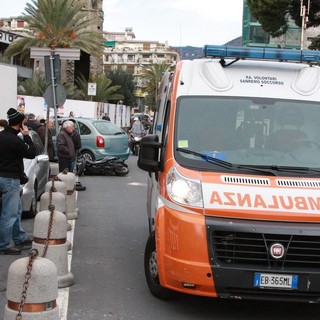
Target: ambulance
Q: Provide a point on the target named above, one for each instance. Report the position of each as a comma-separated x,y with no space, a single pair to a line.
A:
233,196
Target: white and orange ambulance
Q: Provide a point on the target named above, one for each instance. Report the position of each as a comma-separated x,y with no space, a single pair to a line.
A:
234,177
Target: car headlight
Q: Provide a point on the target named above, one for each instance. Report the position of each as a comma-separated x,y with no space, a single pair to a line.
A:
183,190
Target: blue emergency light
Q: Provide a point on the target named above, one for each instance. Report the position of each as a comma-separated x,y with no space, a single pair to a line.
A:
261,53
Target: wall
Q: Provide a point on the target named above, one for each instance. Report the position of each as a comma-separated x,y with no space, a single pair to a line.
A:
119,114
8,89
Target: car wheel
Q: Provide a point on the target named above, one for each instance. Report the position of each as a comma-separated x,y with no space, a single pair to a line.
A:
33,207
88,155
151,270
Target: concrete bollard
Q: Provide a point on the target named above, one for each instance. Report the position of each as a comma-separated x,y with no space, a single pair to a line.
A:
54,169
41,294
59,201
59,186
57,250
70,181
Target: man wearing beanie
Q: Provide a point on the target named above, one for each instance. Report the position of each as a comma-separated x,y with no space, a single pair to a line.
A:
12,151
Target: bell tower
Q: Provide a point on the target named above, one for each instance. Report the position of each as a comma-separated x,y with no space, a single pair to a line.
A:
94,10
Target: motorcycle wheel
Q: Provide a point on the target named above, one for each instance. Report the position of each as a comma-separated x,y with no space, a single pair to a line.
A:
81,166
136,150
121,170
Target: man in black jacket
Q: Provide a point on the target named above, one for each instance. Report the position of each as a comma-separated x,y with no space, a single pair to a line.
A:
12,151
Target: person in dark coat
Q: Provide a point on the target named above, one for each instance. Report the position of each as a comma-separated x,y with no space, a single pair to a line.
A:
65,147
42,134
12,151
106,117
32,123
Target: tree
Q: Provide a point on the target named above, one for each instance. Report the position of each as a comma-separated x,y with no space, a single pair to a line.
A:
104,91
125,79
152,75
274,15
57,24
37,87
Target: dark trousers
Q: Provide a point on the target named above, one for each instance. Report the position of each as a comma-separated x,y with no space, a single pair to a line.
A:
65,163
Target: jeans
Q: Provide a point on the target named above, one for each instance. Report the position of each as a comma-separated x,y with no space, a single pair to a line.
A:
10,219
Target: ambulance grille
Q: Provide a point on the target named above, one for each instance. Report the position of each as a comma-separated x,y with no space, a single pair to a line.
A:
245,249
246,180
298,183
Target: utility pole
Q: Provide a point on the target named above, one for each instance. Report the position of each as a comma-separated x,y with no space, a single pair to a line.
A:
304,13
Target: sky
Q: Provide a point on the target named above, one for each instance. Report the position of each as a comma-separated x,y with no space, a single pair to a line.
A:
179,22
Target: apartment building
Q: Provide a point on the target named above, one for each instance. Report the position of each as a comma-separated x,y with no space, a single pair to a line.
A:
123,51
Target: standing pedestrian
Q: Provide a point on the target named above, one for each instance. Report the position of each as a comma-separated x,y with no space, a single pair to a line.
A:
32,122
13,150
106,117
42,134
65,147
3,124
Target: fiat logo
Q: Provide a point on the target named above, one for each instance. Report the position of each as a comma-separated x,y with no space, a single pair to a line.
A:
277,251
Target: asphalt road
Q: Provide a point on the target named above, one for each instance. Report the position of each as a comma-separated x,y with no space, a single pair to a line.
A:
107,264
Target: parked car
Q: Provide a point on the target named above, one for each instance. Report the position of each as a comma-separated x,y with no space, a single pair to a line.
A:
37,170
99,138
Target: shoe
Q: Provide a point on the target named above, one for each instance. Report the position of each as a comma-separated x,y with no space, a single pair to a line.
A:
26,244
11,251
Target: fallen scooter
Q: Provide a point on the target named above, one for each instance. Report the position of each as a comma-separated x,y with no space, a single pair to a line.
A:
106,166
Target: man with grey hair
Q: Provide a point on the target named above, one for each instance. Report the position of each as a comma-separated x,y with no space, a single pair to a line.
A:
65,147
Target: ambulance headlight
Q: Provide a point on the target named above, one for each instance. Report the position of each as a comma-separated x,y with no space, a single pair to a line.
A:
183,190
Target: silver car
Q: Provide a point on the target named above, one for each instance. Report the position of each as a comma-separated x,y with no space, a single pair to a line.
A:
37,170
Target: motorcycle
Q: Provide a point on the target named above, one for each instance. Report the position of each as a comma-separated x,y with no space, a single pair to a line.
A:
106,166
135,139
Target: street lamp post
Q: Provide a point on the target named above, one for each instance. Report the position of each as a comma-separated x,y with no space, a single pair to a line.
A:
304,13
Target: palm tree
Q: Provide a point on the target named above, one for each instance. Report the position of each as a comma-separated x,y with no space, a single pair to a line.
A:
37,87
57,24
104,91
152,75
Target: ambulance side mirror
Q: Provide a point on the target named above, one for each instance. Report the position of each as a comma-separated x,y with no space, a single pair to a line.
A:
149,153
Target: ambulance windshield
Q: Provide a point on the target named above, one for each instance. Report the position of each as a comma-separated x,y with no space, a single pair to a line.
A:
241,131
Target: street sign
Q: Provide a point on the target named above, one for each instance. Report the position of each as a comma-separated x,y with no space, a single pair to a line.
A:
61,95
56,68
92,89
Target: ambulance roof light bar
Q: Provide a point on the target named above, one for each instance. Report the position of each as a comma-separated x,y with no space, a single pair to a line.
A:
261,53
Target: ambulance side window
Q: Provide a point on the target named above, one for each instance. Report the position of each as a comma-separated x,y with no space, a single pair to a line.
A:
164,137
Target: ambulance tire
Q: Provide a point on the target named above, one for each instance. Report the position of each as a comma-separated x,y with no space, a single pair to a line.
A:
151,271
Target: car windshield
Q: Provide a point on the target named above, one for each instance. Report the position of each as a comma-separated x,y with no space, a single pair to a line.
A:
107,128
269,133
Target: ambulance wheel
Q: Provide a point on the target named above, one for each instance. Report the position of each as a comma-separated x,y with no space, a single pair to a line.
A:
151,270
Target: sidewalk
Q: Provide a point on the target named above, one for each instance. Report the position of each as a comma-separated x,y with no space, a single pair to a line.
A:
6,261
